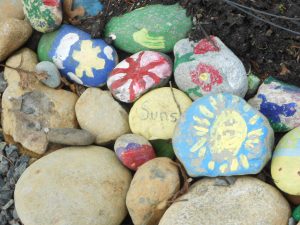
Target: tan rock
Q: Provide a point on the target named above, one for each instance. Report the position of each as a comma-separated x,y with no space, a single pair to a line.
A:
14,33
11,9
153,185
27,112
98,113
76,186
248,201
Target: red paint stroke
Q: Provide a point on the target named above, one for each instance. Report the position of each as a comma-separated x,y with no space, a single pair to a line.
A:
215,78
205,46
53,3
135,157
136,73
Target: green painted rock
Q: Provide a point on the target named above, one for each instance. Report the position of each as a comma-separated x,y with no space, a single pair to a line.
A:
44,16
155,27
253,84
296,213
163,148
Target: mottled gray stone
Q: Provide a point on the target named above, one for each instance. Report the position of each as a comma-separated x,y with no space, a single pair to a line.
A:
53,79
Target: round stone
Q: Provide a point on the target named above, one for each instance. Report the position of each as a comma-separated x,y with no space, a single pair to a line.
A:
248,201
80,58
152,186
50,69
98,113
285,166
138,74
208,67
89,180
155,27
44,16
155,114
221,135
133,150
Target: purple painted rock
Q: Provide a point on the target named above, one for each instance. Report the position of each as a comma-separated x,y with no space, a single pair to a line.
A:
133,150
138,74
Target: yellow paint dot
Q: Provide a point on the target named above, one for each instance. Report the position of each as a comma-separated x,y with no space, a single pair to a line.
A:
223,168
204,76
211,165
244,161
254,119
234,165
202,152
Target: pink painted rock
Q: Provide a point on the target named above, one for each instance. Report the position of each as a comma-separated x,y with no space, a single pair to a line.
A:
133,150
138,74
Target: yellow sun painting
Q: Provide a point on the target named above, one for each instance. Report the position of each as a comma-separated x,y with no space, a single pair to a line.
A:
225,137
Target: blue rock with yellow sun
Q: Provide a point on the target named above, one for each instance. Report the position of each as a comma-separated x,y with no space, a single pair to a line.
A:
80,58
222,135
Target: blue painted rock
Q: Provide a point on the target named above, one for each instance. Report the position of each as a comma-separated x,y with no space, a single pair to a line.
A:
53,79
155,27
280,103
81,59
208,67
285,166
138,74
90,7
221,135
44,15
133,150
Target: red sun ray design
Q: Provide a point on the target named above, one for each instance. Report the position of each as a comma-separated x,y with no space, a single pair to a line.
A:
52,3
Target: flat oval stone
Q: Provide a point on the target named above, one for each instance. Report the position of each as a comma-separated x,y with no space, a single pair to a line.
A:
155,27
53,79
76,185
280,103
208,67
285,166
221,135
133,150
44,15
155,114
90,7
138,74
81,59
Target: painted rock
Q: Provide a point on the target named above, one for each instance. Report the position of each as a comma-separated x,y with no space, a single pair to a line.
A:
280,103
89,180
296,213
11,9
285,167
221,135
138,74
155,27
152,186
50,69
248,201
90,7
163,148
155,114
208,67
253,84
81,59
44,15
133,150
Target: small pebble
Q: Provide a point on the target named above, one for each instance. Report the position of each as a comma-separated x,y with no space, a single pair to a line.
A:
53,79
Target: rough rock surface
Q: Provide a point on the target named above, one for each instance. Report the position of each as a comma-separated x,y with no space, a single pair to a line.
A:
153,185
76,185
248,201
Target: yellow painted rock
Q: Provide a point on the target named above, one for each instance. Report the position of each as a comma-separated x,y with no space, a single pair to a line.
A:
285,167
155,115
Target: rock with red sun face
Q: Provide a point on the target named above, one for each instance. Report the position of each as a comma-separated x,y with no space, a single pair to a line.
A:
208,67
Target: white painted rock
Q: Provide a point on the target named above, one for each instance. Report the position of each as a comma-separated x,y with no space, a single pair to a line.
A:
14,33
248,201
280,103
153,185
98,113
76,186
138,74
201,68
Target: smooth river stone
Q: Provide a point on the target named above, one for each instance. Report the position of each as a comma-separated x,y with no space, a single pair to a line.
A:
76,186
155,114
280,103
81,59
138,74
155,27
248,201
222,135
285,166
44,15
53,75
133,150
208,68
11,9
